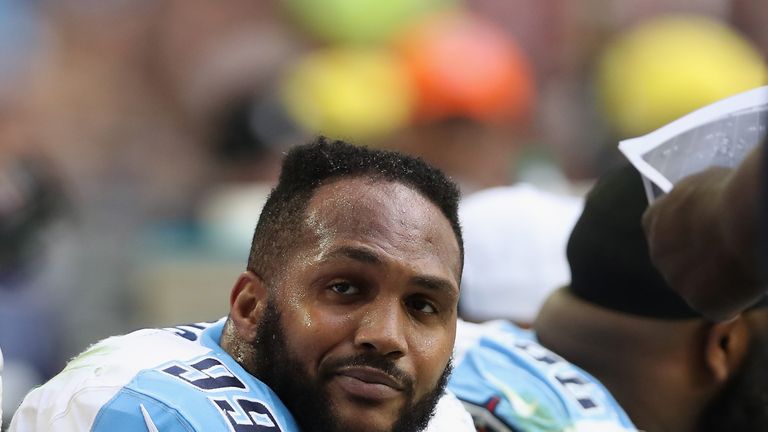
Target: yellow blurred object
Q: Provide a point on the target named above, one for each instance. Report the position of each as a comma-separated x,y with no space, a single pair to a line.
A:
669,66
349,93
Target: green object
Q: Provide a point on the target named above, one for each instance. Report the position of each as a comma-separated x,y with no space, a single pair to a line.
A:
358,21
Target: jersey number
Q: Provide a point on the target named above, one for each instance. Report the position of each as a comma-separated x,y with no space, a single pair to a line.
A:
207,374
247,415
243,414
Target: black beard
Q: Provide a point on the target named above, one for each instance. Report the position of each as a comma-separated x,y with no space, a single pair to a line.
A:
305,397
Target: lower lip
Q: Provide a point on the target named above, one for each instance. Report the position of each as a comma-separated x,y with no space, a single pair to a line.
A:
366,390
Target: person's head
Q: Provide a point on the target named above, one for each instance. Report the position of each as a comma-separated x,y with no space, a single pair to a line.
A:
348,308
515,238
472,120
30,200
619,320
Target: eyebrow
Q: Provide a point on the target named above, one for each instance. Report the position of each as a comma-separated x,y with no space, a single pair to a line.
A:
366,256
355,253
435,284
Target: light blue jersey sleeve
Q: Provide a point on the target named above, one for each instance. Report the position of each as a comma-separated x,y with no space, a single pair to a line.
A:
132,411
208,393
155,380
509,382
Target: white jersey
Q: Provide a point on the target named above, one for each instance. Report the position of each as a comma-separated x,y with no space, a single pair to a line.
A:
450,416
173,379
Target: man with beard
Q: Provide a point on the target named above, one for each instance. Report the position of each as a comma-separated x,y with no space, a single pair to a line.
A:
617,349
344,320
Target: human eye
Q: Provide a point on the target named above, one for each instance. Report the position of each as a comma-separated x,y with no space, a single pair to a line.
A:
344,288
422,305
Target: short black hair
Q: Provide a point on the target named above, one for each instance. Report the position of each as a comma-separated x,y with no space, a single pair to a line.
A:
307,167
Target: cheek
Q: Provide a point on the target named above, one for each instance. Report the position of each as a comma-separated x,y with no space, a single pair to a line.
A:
431,353
314,331
436,342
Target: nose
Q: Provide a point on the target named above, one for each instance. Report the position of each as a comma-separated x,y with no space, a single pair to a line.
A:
383,329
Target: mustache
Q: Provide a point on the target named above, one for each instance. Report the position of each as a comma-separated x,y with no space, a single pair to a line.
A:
330,368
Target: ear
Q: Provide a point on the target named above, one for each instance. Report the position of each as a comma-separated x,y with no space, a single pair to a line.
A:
725,346
247,302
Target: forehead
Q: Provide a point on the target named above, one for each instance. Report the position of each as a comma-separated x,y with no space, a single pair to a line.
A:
384,214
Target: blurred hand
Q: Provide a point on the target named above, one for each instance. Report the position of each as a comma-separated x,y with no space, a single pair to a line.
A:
701,241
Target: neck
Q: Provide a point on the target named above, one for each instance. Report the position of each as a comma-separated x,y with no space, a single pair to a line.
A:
648,365
241,351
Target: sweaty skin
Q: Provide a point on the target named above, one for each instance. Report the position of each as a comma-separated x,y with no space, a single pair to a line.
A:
368,300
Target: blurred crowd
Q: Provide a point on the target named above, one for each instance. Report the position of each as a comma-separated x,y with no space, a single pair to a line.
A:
139,139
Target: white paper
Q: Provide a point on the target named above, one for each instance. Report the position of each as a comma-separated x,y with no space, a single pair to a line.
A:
720,134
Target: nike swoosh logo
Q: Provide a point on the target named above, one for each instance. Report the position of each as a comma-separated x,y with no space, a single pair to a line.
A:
148,420
521,406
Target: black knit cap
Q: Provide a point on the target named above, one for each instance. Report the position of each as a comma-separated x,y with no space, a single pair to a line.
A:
608,252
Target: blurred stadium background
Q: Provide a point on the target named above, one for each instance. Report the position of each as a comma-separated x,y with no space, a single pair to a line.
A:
138,139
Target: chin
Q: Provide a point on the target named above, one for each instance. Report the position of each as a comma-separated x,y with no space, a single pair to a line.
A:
364,425
362,416
368,426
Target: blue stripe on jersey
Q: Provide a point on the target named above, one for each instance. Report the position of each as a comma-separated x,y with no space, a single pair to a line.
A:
208,393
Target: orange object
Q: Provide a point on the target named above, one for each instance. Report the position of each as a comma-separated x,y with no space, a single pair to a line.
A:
464,66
